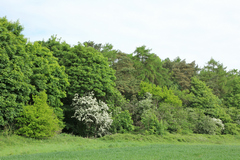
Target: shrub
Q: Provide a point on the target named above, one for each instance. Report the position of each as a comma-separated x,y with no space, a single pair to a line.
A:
92,114
175,118
145,103
151,123
122,122
231,128
38,120
208,125
136,108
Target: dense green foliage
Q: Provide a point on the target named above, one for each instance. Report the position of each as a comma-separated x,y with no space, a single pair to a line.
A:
122,122
149,67
160,94
143,93
88,71
203,96
216,77
232,98
47,74
181,72
151,123
38,120
15,71
126,81
26,69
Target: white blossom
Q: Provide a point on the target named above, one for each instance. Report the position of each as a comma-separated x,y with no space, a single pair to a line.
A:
90,111
219,123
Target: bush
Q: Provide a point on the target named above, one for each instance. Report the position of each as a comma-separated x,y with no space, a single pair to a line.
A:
175,118
208,125
145,103
38,120
92,114
231,128
151,123
122,122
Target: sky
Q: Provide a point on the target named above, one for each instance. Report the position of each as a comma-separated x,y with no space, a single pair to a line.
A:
194,30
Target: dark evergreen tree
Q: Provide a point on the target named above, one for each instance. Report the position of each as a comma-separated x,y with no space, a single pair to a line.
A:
181,72
126,82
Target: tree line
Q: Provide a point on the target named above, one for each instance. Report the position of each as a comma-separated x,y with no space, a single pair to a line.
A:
90,89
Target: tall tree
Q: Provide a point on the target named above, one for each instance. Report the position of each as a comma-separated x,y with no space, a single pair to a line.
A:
203,98
15,70
215,75
149,67
110,53
47,74
181,72
26,69
94,45
87,68
232,98
126,82
88,71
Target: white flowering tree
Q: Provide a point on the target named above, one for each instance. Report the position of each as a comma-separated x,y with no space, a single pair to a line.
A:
208,125
92,113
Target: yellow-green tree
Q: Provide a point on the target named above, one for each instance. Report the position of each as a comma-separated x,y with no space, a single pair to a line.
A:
160,94
38,120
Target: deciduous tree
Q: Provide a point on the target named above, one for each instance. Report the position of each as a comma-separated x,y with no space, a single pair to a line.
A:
15,71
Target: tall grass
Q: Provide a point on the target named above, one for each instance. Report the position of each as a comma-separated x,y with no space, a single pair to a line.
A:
176,138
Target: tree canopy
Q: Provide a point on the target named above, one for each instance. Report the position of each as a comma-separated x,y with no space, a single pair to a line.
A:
149,67
137,92
26,69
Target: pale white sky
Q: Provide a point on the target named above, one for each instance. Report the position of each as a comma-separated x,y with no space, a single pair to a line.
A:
191,29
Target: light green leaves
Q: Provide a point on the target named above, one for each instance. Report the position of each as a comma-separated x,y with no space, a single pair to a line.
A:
161,94
38,120
203,96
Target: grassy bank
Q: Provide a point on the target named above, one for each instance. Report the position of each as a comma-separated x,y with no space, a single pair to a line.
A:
119,145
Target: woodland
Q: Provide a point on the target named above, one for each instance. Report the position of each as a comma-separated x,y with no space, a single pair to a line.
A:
48,87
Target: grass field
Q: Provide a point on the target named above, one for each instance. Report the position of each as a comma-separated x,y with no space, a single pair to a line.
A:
120,146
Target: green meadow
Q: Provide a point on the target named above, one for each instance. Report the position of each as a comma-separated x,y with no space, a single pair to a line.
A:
122,146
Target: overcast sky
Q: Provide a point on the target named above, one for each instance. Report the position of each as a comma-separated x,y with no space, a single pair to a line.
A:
191,29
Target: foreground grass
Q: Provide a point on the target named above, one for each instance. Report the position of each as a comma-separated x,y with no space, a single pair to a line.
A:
120,146
154,151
